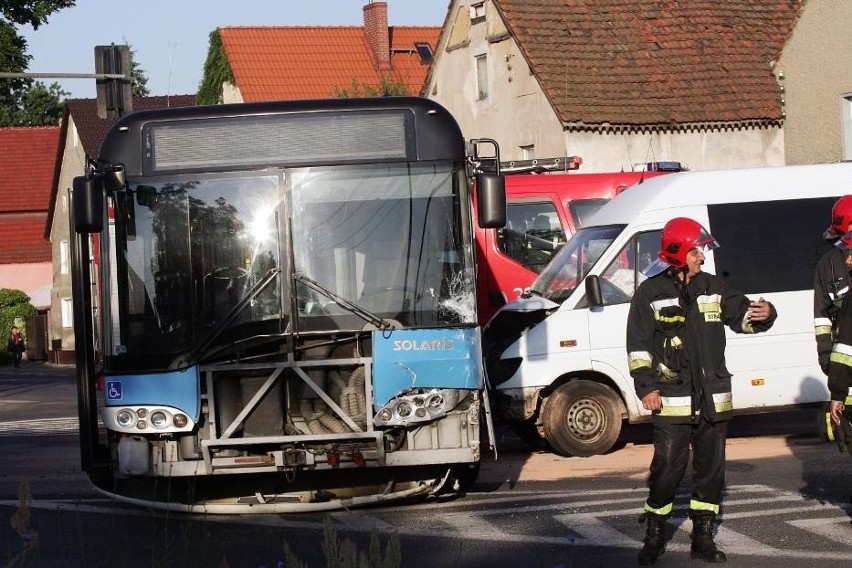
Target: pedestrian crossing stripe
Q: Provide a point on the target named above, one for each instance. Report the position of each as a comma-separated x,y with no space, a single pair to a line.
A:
41,426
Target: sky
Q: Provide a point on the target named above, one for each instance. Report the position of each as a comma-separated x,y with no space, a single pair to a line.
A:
171,37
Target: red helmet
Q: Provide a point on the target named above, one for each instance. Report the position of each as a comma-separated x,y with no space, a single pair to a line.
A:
841,217
680,235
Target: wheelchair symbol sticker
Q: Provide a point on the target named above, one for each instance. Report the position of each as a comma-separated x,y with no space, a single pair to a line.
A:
113,389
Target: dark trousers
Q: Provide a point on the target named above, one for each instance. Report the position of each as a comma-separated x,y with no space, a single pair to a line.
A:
17,355
671,455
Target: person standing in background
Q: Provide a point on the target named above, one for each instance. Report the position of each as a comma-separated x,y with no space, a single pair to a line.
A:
831,281
16,346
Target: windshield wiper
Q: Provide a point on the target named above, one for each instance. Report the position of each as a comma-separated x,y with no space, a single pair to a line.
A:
195,355
366,315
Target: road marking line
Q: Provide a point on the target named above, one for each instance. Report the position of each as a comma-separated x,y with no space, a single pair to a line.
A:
573,507
474,526
836,529
40,426
595,532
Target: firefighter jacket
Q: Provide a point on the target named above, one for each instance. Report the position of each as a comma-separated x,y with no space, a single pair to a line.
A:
676,344
840,367
831,284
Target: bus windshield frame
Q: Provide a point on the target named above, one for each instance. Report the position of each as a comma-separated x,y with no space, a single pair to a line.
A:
208,264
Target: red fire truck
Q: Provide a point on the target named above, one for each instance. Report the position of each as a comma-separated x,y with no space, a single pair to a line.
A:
545,206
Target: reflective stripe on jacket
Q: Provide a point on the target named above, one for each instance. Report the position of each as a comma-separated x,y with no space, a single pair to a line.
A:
831,284
676,344
840,369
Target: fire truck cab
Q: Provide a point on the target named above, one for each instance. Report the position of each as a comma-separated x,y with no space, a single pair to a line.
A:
545,205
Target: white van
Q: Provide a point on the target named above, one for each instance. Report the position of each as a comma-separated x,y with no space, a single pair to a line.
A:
557,358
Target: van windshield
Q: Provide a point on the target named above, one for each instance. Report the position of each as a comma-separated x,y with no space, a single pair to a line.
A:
571,264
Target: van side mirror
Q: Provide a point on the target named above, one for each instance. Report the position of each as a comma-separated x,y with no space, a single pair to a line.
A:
491,199
594,296
87,204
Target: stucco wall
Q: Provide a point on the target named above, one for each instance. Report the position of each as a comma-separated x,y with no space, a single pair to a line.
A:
231,94
696,150
816,65
515,113
73,161
31,278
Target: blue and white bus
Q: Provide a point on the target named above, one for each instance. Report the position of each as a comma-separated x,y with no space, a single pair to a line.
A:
275,305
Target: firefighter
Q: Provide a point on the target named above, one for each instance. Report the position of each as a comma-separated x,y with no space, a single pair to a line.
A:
831,281
676,353
840,361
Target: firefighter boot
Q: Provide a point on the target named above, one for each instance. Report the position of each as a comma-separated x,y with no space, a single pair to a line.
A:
655,539
703,546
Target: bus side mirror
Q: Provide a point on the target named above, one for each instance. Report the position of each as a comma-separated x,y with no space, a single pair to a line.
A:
87,202
491,199
114,178
594,296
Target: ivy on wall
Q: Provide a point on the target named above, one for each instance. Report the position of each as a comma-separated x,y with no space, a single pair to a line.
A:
217,71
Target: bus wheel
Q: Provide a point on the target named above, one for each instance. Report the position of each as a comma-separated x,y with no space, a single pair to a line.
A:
582,418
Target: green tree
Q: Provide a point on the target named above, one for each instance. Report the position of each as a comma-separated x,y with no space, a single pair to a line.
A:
13,304
387,87
42,105
15,93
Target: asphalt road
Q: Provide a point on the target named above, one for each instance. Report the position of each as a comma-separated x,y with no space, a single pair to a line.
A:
787,503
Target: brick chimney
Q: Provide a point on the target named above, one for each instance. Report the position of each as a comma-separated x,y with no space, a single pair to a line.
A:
376,29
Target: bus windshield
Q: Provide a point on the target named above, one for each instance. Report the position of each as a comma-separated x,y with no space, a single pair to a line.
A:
198,257
572,263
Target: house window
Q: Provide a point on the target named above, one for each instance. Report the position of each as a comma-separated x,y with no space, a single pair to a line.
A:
482,76
63,257
425,52
846,118
528,152
65,204
477,12
67,313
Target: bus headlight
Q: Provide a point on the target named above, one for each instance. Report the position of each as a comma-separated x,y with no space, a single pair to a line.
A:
159,419
403,409
418,407
125,418
435,402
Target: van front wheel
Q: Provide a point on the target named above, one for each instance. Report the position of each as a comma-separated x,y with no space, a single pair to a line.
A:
582,418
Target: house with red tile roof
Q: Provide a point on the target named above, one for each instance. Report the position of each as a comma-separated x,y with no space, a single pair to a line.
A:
80,138
27,169
310,62
711,84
